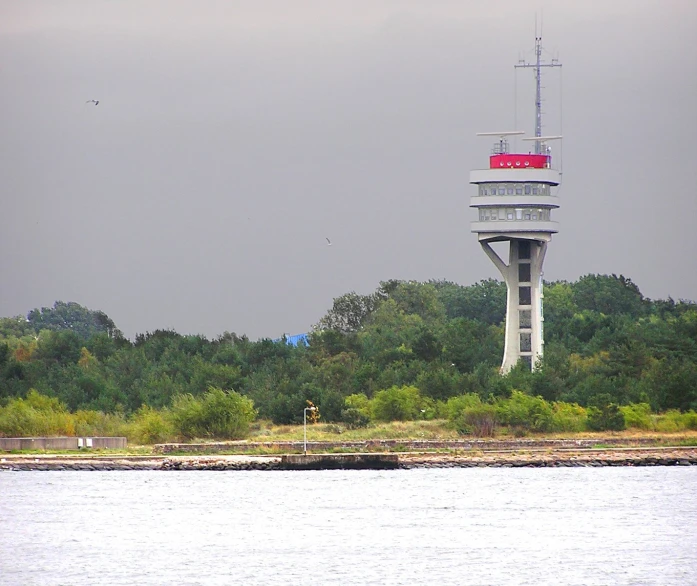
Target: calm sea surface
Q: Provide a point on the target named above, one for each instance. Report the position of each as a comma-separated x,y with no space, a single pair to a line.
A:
440,526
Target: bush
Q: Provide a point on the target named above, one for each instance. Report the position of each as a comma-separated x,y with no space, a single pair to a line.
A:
690,419
479,420
525,412
673,420
637,415
217,414
458,405
396,404
96,423
605,418
354,418
358,401
37,415
568,417
149,426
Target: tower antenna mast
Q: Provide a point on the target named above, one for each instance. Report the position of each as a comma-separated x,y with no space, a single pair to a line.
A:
537,66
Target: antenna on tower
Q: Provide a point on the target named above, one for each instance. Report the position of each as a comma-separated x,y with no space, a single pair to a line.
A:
537,66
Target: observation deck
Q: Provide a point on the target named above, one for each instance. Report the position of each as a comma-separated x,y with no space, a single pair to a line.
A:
515,194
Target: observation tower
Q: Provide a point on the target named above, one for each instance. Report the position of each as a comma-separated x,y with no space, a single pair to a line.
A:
514,200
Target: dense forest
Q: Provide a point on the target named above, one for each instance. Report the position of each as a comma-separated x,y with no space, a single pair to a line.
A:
409,350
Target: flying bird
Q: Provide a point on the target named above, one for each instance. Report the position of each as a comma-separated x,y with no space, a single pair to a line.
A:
95,102
329,242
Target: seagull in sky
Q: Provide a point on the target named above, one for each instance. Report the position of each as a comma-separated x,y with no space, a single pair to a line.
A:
95,102
329,242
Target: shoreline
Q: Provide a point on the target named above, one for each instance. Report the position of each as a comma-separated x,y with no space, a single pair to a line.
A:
508,458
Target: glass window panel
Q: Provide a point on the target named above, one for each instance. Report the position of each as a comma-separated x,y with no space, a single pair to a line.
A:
524,295
528,190
524,249
524,272
525,342
524,318
519,190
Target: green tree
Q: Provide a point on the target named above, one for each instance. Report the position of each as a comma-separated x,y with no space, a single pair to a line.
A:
72,317
604,415
609,294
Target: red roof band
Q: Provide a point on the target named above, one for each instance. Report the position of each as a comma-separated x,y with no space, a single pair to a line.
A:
513,161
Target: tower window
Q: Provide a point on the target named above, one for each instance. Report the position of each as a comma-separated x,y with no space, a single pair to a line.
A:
524,296
502,191
525,342
528,190
524,318
524,249
527,360
519,190
524,272
509,190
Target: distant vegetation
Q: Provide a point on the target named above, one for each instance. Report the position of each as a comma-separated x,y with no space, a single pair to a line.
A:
408,351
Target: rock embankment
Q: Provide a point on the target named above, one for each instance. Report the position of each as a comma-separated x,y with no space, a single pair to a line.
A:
481,459
565,459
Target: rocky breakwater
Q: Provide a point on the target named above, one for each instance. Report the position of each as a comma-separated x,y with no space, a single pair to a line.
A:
222,463
556,459
19,463
58,463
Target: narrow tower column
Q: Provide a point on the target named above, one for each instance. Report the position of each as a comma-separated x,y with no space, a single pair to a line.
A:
524,336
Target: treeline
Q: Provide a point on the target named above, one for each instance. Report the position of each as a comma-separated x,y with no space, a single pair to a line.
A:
606,347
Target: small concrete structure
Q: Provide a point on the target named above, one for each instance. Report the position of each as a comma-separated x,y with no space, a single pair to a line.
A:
340,462
8,444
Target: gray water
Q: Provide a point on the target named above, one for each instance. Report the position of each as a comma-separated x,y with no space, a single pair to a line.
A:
449,526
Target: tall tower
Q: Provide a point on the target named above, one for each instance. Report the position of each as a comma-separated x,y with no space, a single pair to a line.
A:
514,200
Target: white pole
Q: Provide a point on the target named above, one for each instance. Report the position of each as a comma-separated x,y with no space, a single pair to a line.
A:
305,431
305,410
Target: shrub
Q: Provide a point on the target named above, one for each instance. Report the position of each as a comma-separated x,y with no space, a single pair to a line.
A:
673,420
37,415
217,414
690,419
479,420
457,405
396,404
149,426
526,412
637,415
568,417
354,418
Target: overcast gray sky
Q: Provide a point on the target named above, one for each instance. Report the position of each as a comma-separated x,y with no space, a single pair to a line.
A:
233,137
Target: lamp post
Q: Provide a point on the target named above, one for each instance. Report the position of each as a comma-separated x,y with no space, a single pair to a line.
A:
305,410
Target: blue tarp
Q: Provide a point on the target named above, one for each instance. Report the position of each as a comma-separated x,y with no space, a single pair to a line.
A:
295,340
